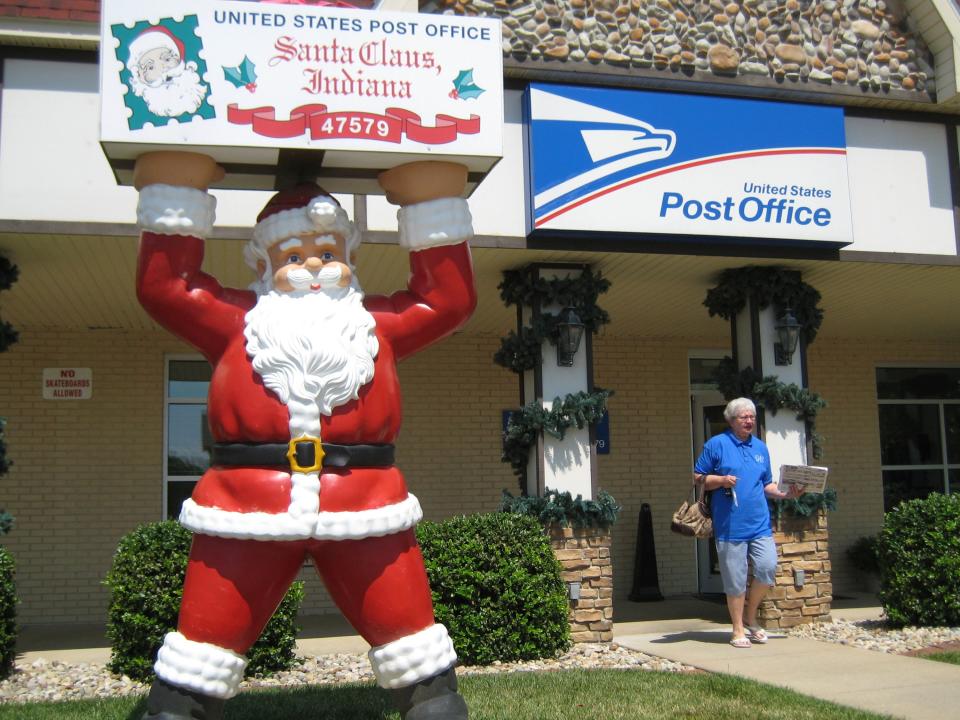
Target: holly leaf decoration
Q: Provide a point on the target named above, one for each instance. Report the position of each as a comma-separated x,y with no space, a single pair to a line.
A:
243,75
463,86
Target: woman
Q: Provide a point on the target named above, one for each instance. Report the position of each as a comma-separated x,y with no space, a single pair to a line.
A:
735,468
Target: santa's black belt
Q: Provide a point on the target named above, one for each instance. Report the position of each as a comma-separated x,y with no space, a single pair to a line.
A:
304,454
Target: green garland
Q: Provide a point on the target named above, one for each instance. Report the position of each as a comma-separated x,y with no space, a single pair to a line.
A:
522,351
8,276
767,390
525,425
8,336
769,285
773,395
805,505
783,289
563,509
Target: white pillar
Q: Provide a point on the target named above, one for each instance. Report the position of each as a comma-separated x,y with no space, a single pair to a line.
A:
754,335
568,464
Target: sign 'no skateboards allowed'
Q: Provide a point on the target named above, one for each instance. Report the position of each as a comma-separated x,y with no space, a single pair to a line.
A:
268,89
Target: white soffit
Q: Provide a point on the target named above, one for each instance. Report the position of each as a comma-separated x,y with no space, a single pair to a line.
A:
938,22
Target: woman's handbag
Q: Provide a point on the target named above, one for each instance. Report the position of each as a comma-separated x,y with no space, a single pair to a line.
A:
693,518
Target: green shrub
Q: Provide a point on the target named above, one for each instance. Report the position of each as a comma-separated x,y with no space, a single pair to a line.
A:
919,554
146,585
496,586
8,613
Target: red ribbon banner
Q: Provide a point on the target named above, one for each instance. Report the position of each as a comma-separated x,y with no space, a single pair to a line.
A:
389,127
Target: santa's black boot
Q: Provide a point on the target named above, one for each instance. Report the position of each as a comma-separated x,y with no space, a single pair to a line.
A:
169,702
435,698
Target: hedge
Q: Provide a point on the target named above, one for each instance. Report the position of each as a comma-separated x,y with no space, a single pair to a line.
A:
496,586
146,585
8,613
919,555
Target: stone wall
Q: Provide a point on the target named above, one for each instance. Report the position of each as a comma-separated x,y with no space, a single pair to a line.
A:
584,554
836,45
802,544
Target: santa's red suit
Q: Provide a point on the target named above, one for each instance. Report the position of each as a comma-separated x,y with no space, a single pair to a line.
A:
254,525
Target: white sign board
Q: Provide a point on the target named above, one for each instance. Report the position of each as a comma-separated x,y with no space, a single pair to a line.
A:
810,478
67,383
299,91
688,168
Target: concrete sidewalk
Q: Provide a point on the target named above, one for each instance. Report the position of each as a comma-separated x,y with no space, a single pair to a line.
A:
688,630
904,687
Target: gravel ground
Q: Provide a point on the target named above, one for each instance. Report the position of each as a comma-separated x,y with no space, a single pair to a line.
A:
45,680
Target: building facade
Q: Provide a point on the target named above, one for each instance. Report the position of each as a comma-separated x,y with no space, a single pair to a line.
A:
123,440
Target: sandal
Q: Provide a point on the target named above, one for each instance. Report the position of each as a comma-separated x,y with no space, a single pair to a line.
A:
757,634
741,642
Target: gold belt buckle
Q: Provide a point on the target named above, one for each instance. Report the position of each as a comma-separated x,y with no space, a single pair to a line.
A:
317,457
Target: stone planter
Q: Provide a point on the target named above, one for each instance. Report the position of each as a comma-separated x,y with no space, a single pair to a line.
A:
584,554
801,546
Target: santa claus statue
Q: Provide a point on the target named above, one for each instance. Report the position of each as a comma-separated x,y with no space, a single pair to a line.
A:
304,407
160,75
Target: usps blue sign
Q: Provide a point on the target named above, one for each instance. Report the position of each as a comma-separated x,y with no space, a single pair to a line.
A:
630,161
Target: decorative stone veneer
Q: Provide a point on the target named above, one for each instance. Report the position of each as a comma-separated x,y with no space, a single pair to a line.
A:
864,45
584,554
801,545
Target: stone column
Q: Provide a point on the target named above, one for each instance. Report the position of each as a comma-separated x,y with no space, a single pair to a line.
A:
804,584
584,554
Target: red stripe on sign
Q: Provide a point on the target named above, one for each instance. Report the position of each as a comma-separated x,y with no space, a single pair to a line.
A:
687,166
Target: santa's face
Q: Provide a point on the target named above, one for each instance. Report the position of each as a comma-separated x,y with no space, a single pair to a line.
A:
309,263
155,64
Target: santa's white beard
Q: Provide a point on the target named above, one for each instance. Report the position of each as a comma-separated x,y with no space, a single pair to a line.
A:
315,350
182,93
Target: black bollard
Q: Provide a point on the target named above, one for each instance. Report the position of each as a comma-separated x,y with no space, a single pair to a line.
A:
646,585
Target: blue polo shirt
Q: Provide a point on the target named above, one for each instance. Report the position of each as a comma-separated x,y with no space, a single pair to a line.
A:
749,461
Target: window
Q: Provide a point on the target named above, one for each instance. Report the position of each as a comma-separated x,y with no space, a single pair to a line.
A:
919,432
186,433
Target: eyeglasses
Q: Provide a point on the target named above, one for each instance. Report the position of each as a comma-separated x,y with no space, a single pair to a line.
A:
746,417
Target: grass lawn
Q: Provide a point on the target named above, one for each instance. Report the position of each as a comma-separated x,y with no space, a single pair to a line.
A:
586,695
951,656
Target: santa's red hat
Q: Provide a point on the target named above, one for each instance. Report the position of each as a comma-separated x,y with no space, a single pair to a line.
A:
306,209
153,37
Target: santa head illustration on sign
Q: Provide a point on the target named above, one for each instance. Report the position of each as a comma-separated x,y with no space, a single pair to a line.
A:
159,73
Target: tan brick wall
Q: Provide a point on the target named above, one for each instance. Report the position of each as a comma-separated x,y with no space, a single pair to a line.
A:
651,456
449,447
86,472
844,372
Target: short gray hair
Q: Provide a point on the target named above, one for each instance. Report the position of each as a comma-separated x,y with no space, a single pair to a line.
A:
737,406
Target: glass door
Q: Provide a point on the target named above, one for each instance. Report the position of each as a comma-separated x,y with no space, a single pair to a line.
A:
707,413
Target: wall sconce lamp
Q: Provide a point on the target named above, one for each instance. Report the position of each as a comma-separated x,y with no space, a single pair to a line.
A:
569,334
788,335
